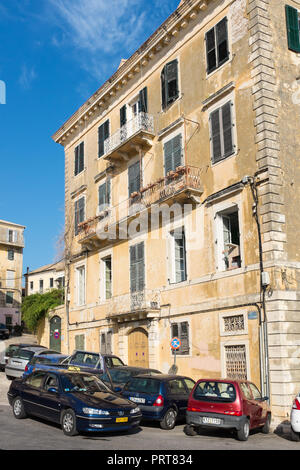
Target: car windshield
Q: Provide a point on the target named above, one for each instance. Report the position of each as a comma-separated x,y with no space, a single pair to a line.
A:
143,385
23,354
116,362
120,376
215,392
87,359
83,383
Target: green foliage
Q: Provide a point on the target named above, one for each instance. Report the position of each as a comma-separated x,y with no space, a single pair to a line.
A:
36,306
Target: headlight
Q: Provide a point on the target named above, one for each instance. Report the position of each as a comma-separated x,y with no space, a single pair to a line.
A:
135,410
92,411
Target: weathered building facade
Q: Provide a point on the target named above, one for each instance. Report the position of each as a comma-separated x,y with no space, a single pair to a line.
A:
11,265
181,191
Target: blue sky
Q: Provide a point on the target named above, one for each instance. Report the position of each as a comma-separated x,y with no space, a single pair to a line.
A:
54,54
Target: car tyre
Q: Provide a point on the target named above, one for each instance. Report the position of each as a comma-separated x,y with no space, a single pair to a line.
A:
243,433
266,427
18,408
295,435
10,377
68,423
169,420
189,430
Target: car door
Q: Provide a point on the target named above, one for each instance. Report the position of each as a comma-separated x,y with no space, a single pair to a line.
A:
49,400
178,394
259,406
31,392
249,408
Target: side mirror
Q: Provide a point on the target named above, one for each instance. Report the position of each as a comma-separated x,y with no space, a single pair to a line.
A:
117,389
265,398
52,390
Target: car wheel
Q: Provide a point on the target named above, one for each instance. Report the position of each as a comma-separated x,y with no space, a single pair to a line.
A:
266,427
169,419
10,377
68,423
18,408
189,430
295,435
243,433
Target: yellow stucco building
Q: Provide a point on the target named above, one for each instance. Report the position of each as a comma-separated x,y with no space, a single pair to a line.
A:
181,194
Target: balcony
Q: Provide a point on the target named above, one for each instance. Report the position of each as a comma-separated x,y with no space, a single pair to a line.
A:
184,185
136,133
11,238
135,305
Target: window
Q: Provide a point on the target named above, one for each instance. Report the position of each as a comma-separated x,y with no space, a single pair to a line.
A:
189,384
31,285
255,392
108,277
169,83
41,286
221,132
79,213
293,28
137,268
51,282
181,331
10,255
79,343
36,379
80,272
103,134
143,101
231,240
245,389
234,323
9,298
12,236
106,343
104,196
217,51
10,278
173,153
79,158
179,256
123,121
236,362
134,178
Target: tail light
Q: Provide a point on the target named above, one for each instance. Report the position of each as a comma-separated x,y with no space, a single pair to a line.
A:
26,368
233,413
159,401
296,404
191,408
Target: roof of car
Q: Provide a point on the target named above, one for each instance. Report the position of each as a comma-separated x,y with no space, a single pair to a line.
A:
33,348
165,377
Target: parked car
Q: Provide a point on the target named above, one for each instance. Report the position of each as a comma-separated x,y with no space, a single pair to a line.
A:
75,400
227,404
16,364
11,349
43,360
4,331
161,398
121,375
295,419
92,359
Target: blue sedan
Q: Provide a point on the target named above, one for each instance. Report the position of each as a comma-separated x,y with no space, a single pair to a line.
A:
76,400
43,362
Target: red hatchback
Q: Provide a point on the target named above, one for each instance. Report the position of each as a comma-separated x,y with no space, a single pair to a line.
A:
227,404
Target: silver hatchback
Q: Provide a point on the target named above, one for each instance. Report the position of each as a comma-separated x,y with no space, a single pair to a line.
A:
16,364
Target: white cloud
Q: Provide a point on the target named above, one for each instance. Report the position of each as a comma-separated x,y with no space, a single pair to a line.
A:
28,75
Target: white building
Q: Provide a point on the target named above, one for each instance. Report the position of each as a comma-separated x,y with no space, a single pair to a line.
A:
45,278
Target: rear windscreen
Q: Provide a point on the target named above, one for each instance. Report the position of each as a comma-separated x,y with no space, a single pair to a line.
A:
215,392
23,354
138,384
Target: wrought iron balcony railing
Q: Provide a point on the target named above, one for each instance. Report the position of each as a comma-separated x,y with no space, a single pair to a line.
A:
146,301
137,131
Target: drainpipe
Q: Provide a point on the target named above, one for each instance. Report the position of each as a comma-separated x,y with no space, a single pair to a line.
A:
264,282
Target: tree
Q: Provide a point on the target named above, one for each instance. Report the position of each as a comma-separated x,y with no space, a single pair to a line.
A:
37,306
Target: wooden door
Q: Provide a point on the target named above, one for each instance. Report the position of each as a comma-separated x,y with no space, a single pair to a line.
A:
138,353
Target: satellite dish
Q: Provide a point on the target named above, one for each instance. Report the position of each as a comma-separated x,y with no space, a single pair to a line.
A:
173,370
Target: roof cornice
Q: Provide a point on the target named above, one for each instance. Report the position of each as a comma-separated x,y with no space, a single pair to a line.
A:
178,20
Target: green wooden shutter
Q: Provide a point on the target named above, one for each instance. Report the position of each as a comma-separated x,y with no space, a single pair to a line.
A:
184,336
163,88
180,256
215,136
222,41
211,56
76,217
137,268
292,23
81,157
103,134
123,116
227,129
172,81
133,269
76,171
143,101
168,156
134,178
102,196
173,153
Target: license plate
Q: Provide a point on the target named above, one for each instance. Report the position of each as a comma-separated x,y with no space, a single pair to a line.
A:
137,400
206,420
121,420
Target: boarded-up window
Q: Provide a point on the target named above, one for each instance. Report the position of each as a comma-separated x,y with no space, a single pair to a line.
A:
217,50
80,342
103,134
292,25
181,331
79,213
173,153
221,132
79,158
137,268
169,83
106,343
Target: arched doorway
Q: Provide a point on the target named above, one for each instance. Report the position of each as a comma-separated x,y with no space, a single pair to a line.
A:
138,352
55,333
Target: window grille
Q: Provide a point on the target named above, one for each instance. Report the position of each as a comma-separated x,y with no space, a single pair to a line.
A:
236,362
234,323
